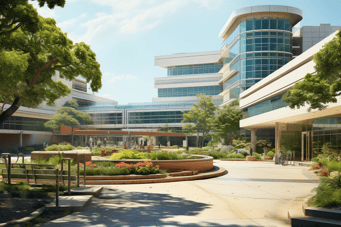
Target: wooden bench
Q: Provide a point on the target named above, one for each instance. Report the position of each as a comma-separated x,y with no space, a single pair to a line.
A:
35,173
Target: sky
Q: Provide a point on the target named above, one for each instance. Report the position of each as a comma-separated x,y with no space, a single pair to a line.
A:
126,35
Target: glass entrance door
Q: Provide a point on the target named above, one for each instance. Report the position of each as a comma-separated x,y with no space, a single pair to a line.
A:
306,146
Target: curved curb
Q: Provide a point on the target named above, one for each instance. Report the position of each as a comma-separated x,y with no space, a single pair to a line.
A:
32,216
218,171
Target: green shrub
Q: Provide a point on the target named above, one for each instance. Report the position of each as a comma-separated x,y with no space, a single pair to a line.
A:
329,197
162,156
217,155
257,156
96,153
174,146
270,154
235,156
52,187
62,147
128,154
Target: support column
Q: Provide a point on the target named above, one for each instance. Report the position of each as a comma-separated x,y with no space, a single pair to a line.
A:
277,137
253,140
86,141
20,138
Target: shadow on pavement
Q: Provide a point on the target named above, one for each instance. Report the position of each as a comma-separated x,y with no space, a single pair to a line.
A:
119,208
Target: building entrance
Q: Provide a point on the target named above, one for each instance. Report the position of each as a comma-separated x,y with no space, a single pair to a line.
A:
306,147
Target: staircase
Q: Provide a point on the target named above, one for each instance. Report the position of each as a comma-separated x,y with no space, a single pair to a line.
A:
317,217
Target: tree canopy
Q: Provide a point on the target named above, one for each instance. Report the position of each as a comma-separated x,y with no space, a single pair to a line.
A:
68,116
16,14
324,85
226,121
198,118
30,60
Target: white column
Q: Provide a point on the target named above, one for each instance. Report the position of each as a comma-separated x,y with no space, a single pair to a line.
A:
253,140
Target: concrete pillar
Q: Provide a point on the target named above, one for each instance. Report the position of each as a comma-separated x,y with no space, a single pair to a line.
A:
277,137
253,140
20,138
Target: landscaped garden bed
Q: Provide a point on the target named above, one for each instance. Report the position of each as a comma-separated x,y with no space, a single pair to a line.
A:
328,166
20,200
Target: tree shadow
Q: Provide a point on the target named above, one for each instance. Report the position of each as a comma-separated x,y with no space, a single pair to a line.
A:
120,208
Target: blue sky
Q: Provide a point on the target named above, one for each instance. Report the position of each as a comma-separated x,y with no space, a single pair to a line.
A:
126,35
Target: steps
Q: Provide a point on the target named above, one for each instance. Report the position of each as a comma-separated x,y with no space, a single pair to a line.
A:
318,217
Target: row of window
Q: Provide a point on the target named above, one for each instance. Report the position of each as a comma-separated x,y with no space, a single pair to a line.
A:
189,91
265,106
260,24
24,123
187,81
155,117
194,69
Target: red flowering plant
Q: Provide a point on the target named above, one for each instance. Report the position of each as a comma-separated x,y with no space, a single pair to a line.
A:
88,164
140,167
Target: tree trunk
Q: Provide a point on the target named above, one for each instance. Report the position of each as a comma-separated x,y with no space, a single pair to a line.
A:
9,112
198,139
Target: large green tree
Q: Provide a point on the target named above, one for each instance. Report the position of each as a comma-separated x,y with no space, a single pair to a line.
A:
323,86
34,58
15,14
68,116
198,118
226,121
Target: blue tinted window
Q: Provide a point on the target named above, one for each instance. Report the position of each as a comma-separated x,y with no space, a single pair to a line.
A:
249,25
273,24
265,24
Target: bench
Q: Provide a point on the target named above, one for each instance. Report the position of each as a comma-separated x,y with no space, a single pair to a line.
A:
36,172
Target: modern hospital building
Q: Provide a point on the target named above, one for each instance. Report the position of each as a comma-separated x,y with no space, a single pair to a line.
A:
262,55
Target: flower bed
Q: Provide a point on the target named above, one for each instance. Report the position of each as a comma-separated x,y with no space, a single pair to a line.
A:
121,168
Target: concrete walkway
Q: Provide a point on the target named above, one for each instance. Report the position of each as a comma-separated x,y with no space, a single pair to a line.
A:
251,194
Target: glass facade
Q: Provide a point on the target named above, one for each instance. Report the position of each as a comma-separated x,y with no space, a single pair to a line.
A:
107,118
155,117
273,103
24,123
257,48
189,91
307,138
194,69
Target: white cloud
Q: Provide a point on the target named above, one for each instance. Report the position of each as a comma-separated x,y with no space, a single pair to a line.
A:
67,22
104,96
122,77
83,15
133,16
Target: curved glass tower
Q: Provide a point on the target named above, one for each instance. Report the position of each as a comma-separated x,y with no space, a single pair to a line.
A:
257,42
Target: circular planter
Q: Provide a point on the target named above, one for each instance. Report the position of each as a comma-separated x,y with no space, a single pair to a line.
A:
202,164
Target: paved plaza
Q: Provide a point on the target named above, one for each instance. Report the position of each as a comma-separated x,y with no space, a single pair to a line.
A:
251,194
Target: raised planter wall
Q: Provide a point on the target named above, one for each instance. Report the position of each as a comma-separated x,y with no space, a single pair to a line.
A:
39,155
203,164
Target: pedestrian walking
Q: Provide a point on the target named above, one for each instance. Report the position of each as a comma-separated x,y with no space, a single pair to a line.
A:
251,151
159,145
105,142
90,144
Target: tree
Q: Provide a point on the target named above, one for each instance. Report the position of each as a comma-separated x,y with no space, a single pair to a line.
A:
68,116
324,85
15,14
226,122
27,73
199,116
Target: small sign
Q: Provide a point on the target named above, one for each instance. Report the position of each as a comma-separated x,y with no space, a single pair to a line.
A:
184,143
219,145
